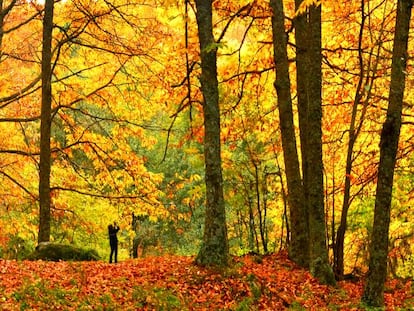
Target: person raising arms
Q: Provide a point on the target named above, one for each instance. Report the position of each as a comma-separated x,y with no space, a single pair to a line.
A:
113,241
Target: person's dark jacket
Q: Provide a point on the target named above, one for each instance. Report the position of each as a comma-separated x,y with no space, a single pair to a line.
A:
112,231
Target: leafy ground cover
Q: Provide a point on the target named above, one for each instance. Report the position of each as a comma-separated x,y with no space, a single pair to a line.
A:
174,283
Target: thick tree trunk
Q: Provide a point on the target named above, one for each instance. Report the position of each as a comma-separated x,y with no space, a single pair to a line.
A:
45,124
309,88
299,242
215,249
374,288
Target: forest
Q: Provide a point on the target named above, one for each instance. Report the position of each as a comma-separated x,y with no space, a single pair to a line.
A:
212,131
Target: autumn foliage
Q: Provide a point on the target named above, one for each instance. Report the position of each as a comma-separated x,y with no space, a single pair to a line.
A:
174,283
127,136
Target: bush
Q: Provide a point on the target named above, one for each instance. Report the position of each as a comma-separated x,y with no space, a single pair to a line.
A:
56,252
16,248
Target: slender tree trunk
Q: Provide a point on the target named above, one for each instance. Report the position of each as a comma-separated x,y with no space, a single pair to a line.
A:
265,206
299,242
352,137
374,288
45,124
285,214
239,229
215,249
300,23
340,235
259,208
319,263
253,240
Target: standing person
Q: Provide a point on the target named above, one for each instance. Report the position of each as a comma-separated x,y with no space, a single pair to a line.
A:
113,241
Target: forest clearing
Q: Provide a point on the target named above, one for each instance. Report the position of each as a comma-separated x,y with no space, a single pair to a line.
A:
175,283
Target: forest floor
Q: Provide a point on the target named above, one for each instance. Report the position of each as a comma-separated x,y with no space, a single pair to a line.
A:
175,283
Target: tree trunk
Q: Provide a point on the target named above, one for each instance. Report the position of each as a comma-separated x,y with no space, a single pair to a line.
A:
299,242
45,125
260,211
301,37
340,235
374,288
319,263
285,210
215,249
309,88
253,240
353,131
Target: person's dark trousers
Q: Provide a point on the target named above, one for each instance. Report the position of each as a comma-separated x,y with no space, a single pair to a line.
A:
114,251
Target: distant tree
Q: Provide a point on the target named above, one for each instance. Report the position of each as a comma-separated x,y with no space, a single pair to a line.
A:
215,249
374,288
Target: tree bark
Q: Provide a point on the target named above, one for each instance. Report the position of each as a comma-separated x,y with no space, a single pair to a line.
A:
309,79
374,288
299,242
215,249
319,263
301,37
45,125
